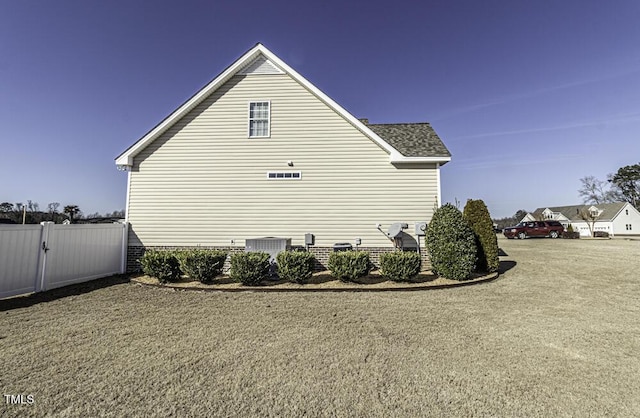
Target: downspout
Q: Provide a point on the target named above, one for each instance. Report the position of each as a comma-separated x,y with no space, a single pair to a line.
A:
439,193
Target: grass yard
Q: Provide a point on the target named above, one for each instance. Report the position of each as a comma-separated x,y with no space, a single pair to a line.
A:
558,334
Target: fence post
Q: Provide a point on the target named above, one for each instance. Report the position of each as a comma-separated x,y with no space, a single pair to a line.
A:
41,284
125,243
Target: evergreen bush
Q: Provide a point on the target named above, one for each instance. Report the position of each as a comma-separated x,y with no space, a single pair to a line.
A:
163,265
451,244
202,264
295,266
349,265
400,266
477,216
250,268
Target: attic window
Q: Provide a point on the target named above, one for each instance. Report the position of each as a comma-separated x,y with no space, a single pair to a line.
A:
259,117
288,175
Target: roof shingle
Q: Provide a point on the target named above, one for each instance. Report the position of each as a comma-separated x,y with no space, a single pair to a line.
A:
411,139
609,210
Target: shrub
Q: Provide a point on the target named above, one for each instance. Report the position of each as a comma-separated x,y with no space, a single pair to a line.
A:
250,268
571,235
451,244
400,266
570,228
163,265
295,266
349,265
477,216
600,234
203,265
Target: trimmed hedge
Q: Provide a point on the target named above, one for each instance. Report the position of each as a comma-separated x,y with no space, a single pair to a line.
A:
163,265
600,234
451,244
202,264
295,266
477,216
349,265
250,268
400,266
571,235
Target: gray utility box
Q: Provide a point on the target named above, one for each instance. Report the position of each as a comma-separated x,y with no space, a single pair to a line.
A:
421,228
270,245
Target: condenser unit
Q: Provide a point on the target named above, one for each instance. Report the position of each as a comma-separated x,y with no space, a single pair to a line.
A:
270,245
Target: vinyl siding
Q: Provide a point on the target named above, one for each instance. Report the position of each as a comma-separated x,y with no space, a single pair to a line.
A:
620,221
204,182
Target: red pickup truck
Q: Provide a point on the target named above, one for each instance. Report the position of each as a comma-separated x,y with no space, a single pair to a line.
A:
552,229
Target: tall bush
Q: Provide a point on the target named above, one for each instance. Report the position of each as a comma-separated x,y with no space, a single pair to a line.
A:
163,265
250,268
477,216
451,244
295,266
202,264
349,265
400,266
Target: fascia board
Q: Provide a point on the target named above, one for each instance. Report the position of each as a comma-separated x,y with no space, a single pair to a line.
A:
126,158
398,158
328,100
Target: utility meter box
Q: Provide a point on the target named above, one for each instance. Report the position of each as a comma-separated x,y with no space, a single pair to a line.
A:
309,239
421,228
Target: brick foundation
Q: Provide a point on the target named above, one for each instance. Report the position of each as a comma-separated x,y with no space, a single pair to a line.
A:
321,253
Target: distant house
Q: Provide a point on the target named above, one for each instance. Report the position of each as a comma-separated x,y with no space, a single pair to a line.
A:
615,218
262,152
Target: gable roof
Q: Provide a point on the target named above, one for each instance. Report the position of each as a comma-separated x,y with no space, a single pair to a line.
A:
609,211
256,57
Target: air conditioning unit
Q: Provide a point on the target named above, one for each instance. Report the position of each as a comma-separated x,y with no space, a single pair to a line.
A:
270,245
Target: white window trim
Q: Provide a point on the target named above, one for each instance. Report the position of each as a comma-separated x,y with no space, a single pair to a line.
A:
299,173
268,135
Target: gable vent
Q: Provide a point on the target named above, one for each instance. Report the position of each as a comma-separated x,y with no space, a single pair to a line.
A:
260,65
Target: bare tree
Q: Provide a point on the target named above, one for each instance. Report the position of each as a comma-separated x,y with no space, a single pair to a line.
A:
32,206
590,216
53,207
596,191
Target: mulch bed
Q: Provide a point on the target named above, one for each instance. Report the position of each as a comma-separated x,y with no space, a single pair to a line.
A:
320,281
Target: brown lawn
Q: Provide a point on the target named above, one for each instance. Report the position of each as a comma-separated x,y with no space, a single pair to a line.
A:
557,334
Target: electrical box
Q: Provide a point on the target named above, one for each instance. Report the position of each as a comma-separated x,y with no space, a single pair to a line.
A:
309,239
421,228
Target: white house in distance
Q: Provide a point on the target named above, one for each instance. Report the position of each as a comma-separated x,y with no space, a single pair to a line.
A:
617,219
261,152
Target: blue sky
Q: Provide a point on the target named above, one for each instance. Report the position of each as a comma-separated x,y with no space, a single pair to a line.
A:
528,96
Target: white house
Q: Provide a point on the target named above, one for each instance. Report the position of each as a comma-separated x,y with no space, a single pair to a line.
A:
618,219
261,152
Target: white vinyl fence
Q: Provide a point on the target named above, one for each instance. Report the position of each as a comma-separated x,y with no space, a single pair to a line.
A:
34,258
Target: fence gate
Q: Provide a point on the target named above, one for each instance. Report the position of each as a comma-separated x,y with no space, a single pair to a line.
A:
34,258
